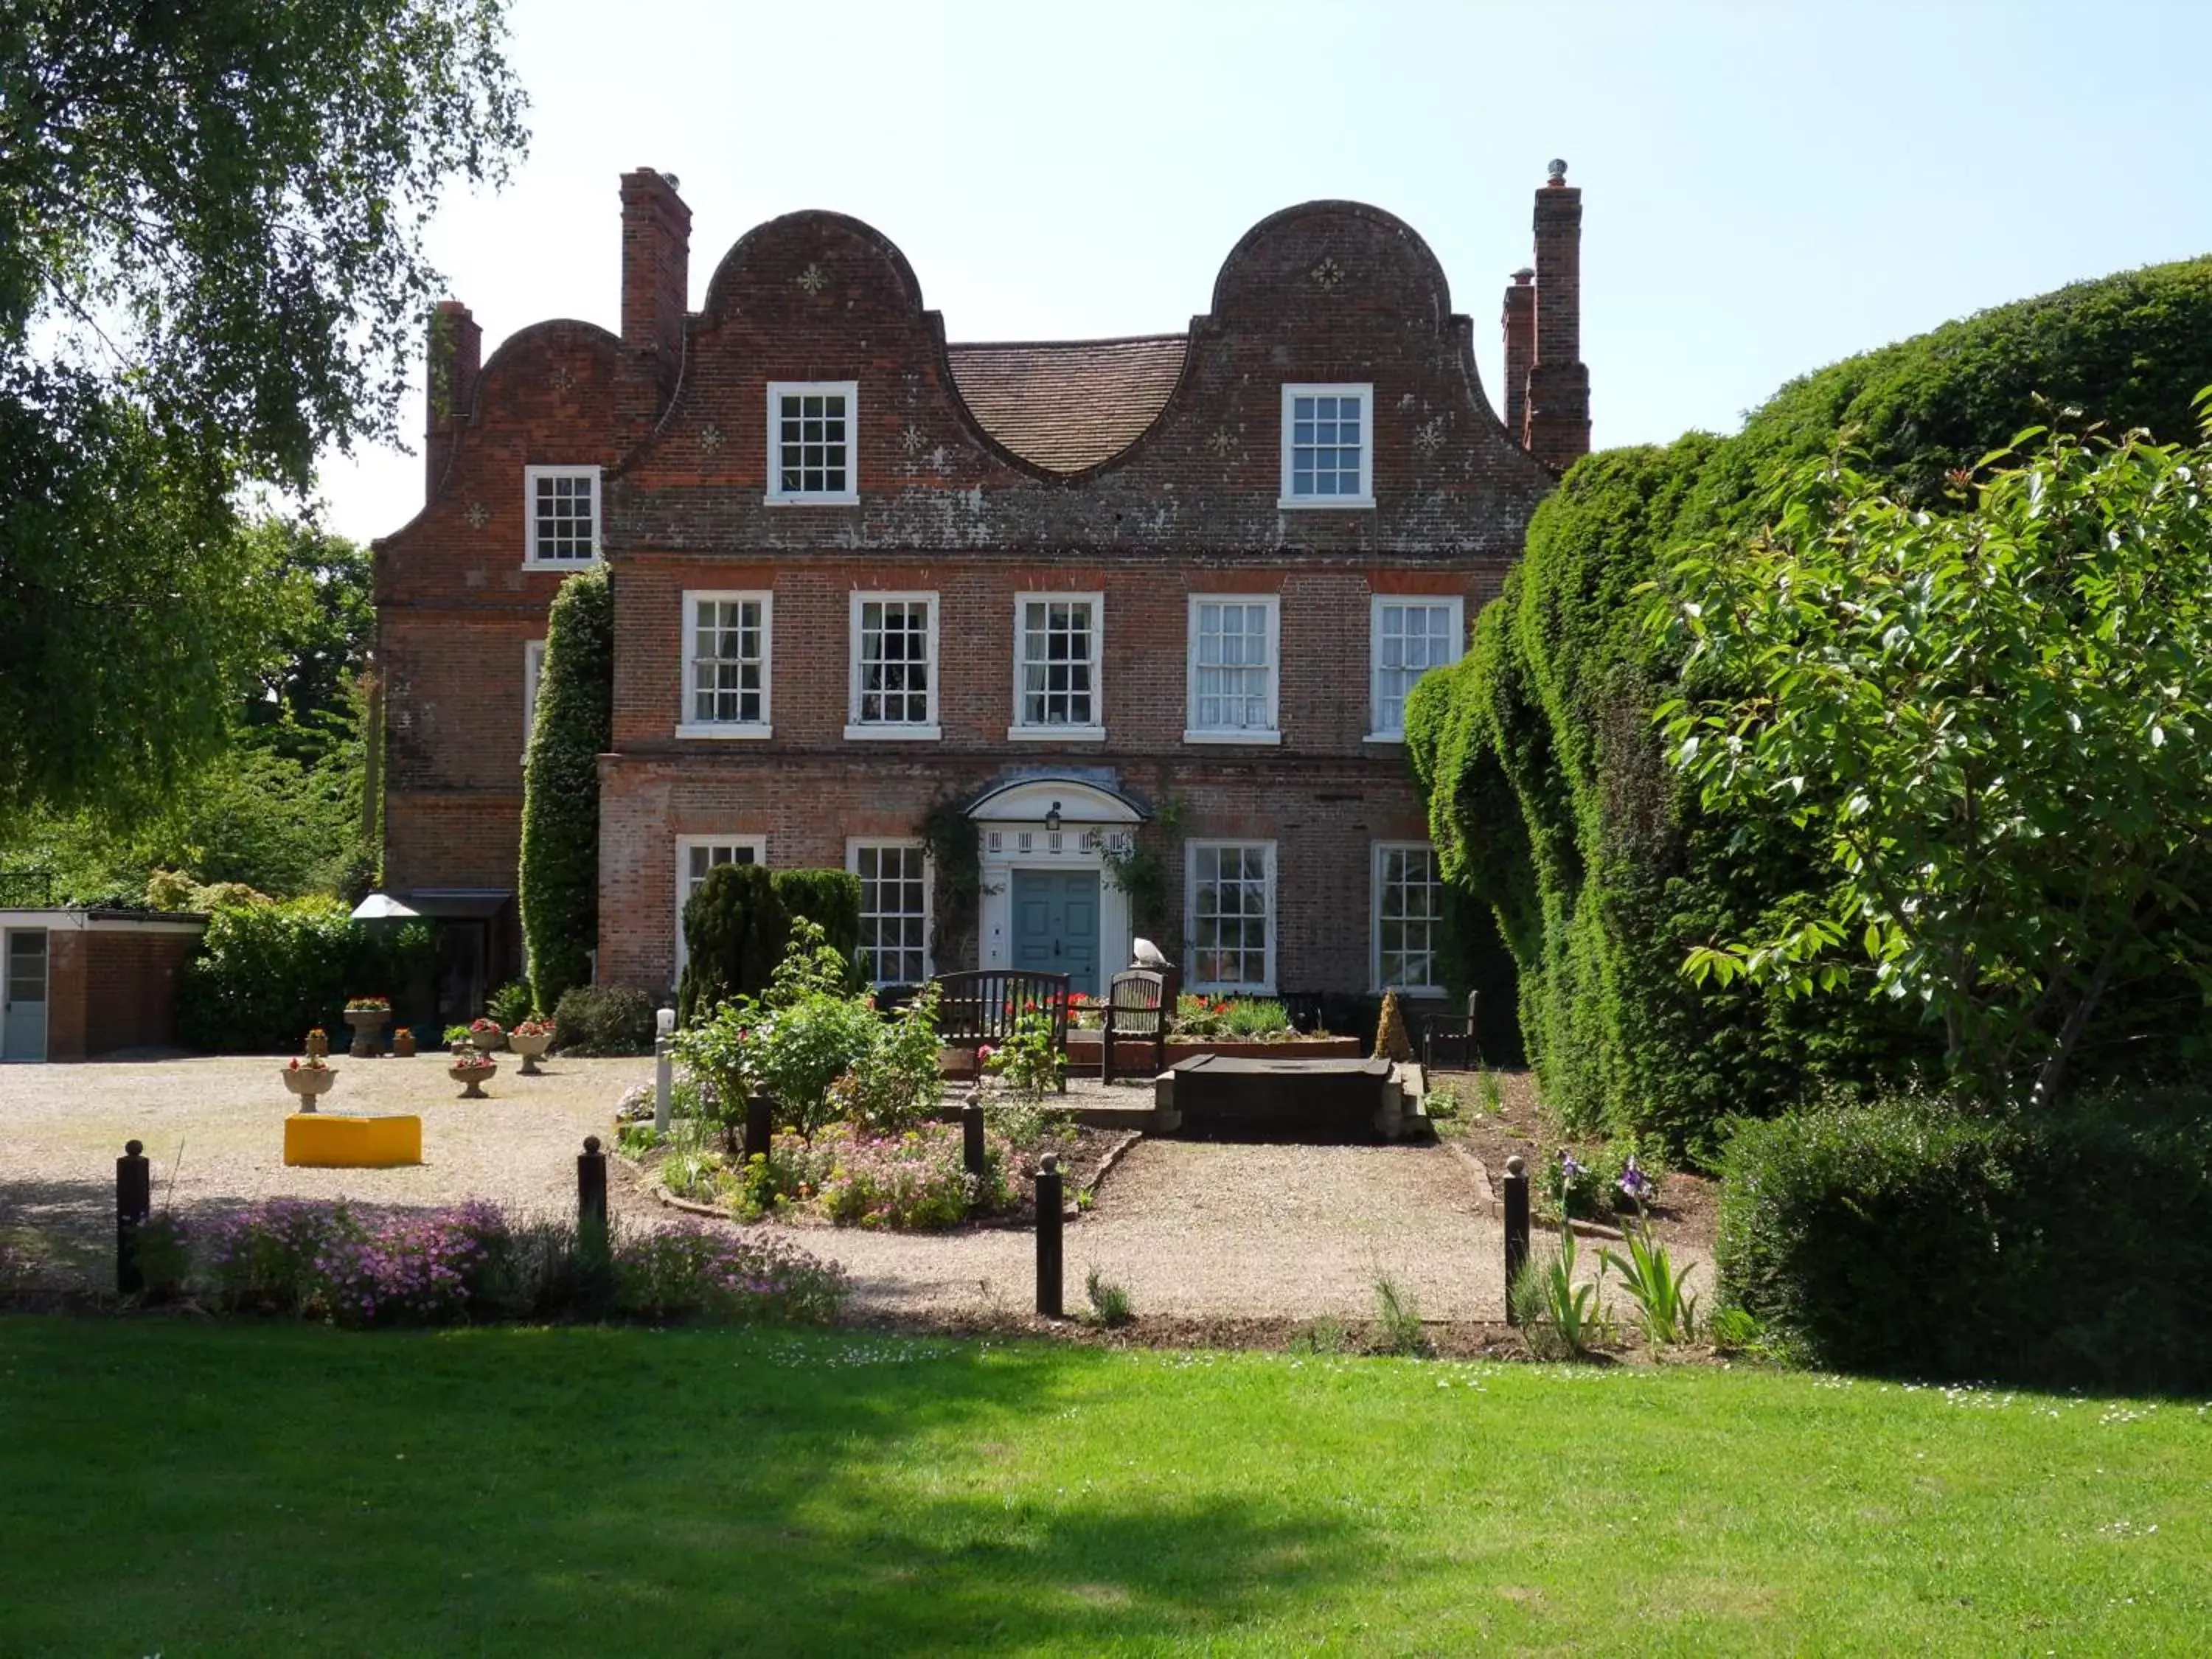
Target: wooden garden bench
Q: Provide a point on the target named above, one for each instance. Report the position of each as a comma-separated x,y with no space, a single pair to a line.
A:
981,1006
1138,1005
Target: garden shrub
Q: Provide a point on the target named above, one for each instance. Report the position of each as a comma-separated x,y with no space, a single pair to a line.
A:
266,973
2069,1248
737,927
558,882
1549,802
604,1019
512,1004
468,1264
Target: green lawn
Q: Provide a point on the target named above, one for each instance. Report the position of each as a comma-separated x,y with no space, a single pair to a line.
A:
232,1489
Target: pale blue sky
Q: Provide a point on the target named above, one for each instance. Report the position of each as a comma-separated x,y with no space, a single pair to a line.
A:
1766,187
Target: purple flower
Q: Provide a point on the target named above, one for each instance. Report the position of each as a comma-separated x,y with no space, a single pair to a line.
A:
1568,1167
1636,1184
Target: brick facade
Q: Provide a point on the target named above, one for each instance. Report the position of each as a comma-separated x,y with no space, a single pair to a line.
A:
111,978
1142,472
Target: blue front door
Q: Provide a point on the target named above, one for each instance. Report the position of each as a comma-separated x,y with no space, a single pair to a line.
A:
1056,925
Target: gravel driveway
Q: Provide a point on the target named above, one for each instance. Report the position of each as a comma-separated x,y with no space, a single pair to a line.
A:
214,1129
1200,1230
1194,1229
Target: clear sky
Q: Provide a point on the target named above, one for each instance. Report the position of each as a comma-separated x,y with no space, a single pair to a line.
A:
1767,187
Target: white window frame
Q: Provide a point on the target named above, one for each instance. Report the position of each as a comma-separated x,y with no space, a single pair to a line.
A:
1190,884
853,846
1383,849
778,496
687,724
758,844
1454,603
856,729
1365,393
1272,734
531,475
533,670
1021,730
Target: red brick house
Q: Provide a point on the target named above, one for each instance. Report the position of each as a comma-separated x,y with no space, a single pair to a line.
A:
1069,587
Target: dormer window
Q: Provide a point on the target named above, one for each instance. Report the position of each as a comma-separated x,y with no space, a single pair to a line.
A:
811,429
562,508
1328,445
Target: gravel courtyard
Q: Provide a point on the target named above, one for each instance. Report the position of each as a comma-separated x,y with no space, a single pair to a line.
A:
1194,1229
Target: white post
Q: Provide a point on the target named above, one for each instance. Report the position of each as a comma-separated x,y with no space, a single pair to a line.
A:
664,1068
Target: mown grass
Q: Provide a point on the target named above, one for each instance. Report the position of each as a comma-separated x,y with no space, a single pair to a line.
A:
238,1489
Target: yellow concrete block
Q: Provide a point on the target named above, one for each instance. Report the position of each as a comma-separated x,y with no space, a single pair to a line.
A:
326,1140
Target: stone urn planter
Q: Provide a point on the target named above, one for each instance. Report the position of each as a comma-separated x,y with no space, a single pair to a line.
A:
368,1025
530,1045
403,1043
307,1082
486,1035
472,1071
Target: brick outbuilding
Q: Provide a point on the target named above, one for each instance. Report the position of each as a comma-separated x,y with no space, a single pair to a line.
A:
76,984
1161,595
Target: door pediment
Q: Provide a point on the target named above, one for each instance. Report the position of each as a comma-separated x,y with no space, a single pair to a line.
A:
1080,801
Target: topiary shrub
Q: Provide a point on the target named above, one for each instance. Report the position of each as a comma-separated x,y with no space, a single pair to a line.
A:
604,1019
1903,1238
735,931
737,923
265,973
1549,802
558,885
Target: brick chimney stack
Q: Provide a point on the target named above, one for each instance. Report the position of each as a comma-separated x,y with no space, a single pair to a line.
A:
1520,322
1556,418
453,354
656,276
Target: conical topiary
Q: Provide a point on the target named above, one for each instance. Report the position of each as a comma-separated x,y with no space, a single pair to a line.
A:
1391,1042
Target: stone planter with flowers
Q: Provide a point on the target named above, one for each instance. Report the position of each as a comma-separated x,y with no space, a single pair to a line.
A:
472,1068
308,1077
486,1034
403,1042
368,1015
529,1038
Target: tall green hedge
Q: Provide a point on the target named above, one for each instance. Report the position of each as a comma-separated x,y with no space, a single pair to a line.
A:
1548,799
265,973
558,884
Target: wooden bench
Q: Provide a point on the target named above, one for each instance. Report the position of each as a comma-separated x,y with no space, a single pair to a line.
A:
1451,1043
981,1006
1139,1006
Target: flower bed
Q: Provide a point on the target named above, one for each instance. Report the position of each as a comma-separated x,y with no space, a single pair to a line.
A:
470,1264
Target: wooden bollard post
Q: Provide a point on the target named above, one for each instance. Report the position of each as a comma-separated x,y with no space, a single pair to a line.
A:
592,1187
971,1132
1049,1238
134,1207
1516,1227
760,1126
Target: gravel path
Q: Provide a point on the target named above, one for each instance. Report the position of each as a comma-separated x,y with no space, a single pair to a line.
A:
1194,1229
214,1129
1200,1230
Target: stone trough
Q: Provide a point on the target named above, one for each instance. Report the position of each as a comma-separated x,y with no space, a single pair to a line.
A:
1289,1099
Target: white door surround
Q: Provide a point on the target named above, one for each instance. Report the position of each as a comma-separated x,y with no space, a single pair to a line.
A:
1013,831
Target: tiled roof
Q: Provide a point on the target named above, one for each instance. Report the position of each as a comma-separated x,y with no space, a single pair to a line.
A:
1068,404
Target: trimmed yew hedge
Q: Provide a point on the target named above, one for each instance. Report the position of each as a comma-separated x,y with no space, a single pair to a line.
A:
557,885
1548,799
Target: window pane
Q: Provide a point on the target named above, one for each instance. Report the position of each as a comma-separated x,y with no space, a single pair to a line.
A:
894,912
1409,918
812,440
1231,913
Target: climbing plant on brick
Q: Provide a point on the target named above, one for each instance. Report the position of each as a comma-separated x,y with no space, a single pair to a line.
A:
558,883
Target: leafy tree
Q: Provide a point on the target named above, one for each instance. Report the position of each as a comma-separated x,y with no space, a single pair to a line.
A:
1988,721
210,268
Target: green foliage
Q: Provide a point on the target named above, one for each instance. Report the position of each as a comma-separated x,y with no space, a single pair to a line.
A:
1247,1018
1986,720
513,1003
211,270
1110,1302
1560,1318
2067,1246
603,1019
265,973
737,924
898,1083
557,885
1550,803
956,863
1665,1307
1028,1062
1140,869
1398,1327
